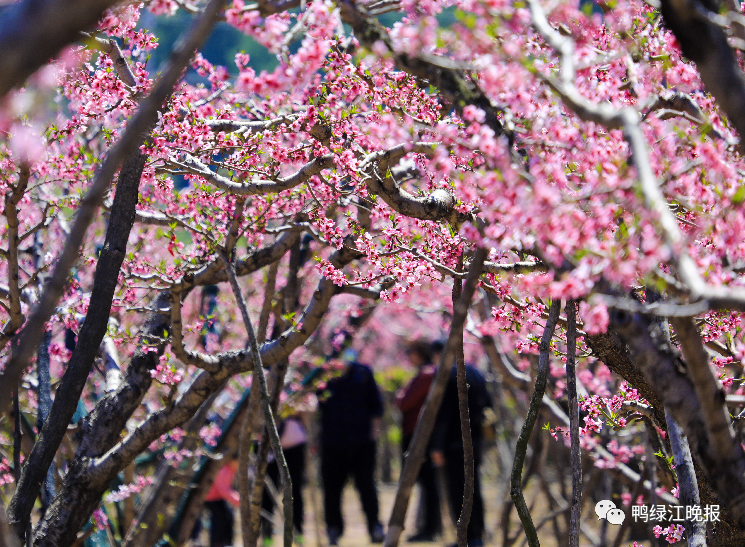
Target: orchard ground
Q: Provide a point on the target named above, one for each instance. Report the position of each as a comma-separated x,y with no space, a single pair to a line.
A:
493,491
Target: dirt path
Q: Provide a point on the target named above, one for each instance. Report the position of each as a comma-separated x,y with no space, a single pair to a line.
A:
356,535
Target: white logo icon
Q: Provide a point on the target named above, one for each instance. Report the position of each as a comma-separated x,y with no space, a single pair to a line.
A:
606,509
615,516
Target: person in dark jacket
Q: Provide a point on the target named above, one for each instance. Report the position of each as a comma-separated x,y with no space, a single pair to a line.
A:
410,401
351,407
447,447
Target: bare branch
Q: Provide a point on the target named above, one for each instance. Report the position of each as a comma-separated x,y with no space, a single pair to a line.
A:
209,363
418,445
515,267
687,483
527,429
212,273
576,454
269,421
12,199
243,126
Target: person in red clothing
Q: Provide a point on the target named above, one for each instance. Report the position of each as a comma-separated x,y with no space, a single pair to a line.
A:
218,501
410,400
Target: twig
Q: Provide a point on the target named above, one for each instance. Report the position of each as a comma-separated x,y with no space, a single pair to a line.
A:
111,48
266,308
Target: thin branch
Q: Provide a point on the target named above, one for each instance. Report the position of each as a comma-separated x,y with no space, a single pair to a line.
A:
245,441
243,126
111,48
373,293
687,483
154,219
212,273
12,199
418,446
266,308
465,426
266,405
515,267
576,511
663,308
209,363
516,491
235,226
194,166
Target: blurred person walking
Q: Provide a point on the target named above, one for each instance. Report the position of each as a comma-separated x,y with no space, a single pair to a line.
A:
219,500
410,401
351,407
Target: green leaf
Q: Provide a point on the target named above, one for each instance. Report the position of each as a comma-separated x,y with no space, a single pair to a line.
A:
739,196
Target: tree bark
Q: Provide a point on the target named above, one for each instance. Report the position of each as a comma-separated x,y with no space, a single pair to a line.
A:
697,404
89,341
80,493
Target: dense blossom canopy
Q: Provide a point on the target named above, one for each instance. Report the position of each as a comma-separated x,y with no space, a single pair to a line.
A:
593,151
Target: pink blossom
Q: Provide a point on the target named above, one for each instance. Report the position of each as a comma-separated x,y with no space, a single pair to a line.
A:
27,143
594,317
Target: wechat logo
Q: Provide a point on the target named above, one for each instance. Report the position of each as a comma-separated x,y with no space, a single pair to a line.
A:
606,509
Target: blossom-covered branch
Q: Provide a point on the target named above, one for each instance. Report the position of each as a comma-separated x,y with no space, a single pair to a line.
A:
193,166
132,138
